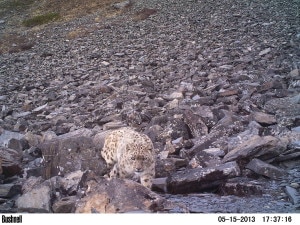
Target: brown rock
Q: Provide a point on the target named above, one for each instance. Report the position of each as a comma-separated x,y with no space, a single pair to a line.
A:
227,93
265,169
65,205
116,195
11,161
199,179
195,123
264,118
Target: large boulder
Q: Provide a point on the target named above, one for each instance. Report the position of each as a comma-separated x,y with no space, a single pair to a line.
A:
117,195
71,152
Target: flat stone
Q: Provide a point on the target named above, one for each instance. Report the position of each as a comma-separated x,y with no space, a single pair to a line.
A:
264,52
265,169
227,93
241,187
293,195
256,146
199,179
264,118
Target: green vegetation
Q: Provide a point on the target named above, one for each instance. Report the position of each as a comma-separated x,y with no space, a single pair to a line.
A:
41,19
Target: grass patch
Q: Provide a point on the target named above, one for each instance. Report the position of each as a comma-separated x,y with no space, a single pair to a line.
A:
41,19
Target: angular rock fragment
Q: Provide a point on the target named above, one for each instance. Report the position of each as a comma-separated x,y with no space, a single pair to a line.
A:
265,169
6,136
71,152
263,147
11,161
264,118
199,179
195,124
293,195
37,200
241,187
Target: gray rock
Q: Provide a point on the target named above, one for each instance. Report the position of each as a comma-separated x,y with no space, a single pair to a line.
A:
293,195
122,5
160,184
199,179
37,200
68,153
241,187
165,167
263,147
1,166
69,183
6,136
65,205
9,190
265,169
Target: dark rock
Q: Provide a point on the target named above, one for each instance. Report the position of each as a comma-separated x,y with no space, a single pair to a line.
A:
205,159
200,179
265,169
263,147
241,187
11,161
164,167
9,190
71,152
1,166
201,143
116,195
18,144
65,205
195,124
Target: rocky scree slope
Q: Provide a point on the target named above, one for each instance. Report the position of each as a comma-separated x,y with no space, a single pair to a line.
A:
215,85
